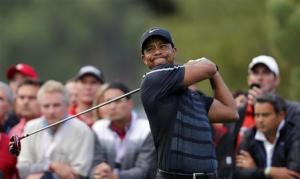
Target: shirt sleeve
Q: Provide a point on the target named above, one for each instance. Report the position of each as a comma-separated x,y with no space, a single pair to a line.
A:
164,81
82,155
144,163
293,156
98,156
26,163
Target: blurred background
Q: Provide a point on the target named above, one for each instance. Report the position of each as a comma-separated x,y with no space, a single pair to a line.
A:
57,37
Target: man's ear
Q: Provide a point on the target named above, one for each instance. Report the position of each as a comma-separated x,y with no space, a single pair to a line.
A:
282,115
130,103
143,58
174,50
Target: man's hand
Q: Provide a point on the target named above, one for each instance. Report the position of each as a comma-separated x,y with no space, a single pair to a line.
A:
14,145
244,160
201,60
35,176
63,171
198,70
104,171
191,62
283,173
253,93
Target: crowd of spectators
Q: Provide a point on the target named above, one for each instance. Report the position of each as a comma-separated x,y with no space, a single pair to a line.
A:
113,142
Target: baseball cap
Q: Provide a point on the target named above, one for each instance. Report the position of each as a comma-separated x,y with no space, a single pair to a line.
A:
156,31
90,70
269,61
22,68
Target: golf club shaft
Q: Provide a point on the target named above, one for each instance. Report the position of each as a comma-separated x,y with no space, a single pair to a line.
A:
83,112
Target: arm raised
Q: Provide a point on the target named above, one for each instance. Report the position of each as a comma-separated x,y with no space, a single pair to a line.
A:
198,70
223,108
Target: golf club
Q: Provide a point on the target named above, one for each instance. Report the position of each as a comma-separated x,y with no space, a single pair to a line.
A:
15,145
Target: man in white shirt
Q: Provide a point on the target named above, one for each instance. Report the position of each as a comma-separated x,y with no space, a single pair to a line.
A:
126,148
63,151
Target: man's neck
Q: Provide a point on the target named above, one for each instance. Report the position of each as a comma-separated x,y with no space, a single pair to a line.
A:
83,106
271,137
55,129
122,123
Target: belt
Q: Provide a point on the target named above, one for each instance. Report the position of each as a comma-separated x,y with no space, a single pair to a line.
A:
173,175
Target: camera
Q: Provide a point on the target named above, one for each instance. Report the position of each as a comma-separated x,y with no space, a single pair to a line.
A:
254,85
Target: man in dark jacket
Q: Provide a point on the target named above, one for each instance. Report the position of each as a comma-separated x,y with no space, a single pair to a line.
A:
270,149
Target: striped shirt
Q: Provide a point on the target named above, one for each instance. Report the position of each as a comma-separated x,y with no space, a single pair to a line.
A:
179,121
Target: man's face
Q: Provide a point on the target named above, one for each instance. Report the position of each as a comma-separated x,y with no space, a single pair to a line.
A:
71,87
27,105
4,106
261,74
87,88
53,106
241,100
158,51
266,119
120,109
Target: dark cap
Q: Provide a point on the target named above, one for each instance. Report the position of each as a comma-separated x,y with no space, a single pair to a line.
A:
22,68
90,70
156,31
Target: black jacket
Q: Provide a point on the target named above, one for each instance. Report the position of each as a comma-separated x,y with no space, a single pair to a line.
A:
286,152
225,149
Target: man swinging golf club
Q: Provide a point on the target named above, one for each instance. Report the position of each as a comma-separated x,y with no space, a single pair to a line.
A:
179,116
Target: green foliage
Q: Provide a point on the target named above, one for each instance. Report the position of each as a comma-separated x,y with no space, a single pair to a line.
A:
294,77
59,36
284,38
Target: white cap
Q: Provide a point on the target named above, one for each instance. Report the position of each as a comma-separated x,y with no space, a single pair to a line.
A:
269,61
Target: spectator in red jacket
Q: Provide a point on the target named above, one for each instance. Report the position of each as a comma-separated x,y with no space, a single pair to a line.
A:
7,161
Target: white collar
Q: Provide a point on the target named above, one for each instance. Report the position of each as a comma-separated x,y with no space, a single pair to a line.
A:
261,136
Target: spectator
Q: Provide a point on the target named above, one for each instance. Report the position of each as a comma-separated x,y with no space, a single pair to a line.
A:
100,113
26,106
71,87
16,74
63,151
240,98
126,149
263,70
8,162
89,79
271,148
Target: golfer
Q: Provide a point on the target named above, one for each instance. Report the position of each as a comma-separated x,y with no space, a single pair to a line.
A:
179,115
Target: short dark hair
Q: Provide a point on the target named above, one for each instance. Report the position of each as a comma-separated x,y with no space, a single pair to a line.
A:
238,93
119,86
30,82
277,102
